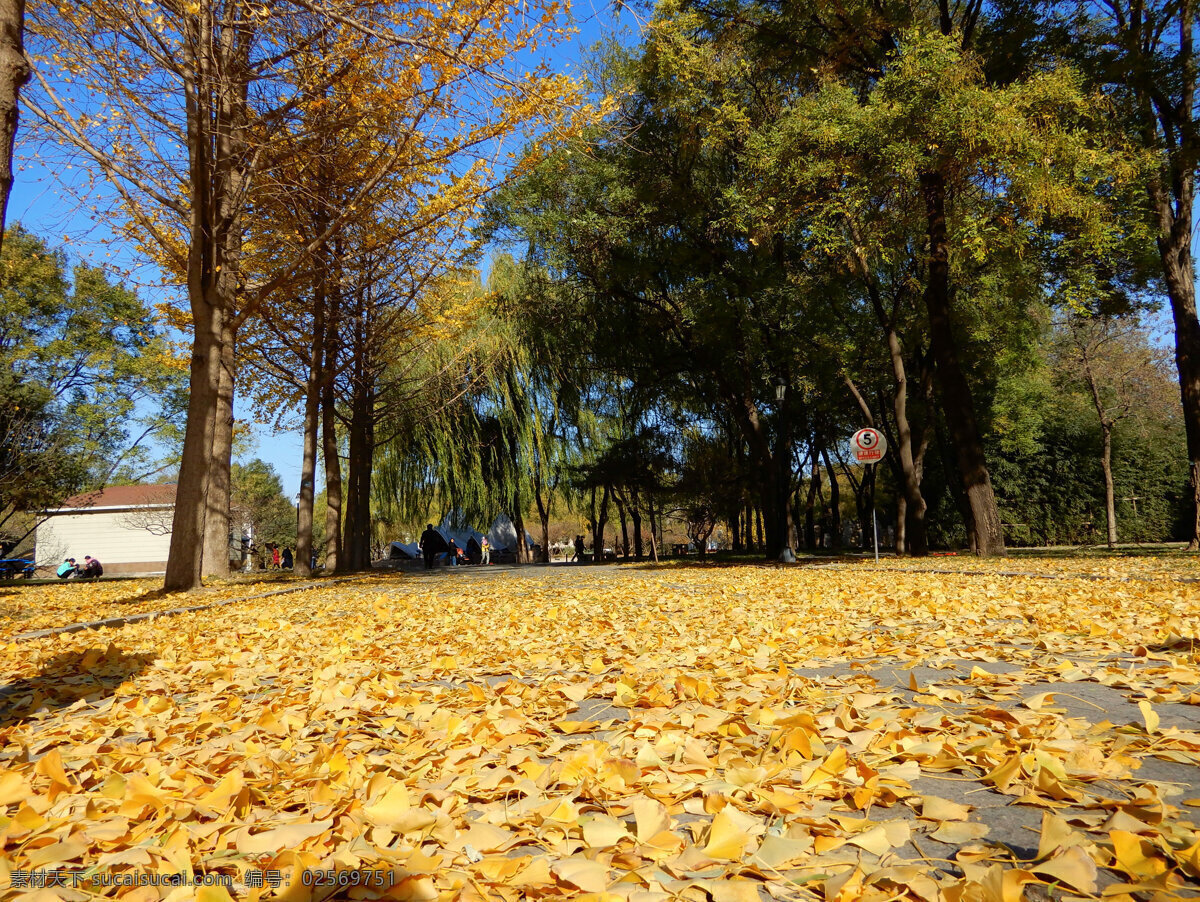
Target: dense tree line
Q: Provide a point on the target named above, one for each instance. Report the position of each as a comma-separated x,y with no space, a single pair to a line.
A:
904,217
952,222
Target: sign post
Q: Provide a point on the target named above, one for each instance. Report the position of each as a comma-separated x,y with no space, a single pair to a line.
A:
868,447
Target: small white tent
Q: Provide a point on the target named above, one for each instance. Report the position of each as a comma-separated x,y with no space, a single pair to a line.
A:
503,534
453,527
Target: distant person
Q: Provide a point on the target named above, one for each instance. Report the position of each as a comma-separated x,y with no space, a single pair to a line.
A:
429,544
452,554
485,551
578,549
67,569
92,568
274,556
287,559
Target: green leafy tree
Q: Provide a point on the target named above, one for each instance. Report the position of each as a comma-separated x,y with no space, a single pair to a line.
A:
86,378
259,506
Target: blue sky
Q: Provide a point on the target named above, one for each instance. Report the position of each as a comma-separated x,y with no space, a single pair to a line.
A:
62,204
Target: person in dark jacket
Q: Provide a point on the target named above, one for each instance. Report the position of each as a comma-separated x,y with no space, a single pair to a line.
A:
431,543
92,568
287,559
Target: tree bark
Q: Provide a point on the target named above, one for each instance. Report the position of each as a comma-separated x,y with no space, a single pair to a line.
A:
544,522
330,453
1175,248
623,516
358,483
312,412
636,513
797,529
361,442
653,539
814,485
1110,493
910,523
911,537
14,73
835,504
598,532
217,499
215,61
518,518
955,393
185,557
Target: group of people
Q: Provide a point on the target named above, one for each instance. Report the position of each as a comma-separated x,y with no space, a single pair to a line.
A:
433,546
280,560
271,556
91,569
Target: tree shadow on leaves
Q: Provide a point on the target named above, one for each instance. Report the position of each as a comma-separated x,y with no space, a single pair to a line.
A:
65,679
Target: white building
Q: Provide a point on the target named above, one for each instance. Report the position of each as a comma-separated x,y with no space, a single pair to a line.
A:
126,527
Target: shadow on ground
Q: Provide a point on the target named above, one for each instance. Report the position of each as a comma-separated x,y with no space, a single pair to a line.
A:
91,675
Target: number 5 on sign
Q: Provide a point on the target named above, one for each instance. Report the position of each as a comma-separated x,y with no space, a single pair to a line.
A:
868,446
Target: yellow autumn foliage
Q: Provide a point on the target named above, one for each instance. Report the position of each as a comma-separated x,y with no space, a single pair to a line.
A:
634,733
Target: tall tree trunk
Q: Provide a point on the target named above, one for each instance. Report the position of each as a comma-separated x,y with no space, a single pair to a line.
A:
835,504
653,539
1175,248
795,508
312,411
216,60
361,445
735,533
910,522
636,514
185,557
1110,494
814,486
518,518
330,453
623,515
598,532
217,499
911,537
952,384
357,551
14,72
544,521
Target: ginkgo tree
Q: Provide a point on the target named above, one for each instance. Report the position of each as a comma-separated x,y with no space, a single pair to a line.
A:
180,107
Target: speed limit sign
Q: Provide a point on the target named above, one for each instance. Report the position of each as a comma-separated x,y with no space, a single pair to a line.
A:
868,446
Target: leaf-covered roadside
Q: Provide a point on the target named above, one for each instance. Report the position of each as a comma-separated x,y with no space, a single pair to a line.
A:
635,734
27,608
1159,567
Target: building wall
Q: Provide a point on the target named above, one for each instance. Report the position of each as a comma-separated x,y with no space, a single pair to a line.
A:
116,538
